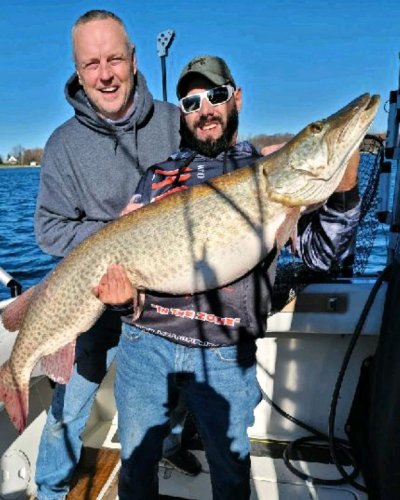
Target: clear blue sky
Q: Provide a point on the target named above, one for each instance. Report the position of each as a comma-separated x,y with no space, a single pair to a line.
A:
296,61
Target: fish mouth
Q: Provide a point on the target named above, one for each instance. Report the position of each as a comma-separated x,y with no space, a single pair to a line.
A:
373,102
364,102
368,107
348,128
363,112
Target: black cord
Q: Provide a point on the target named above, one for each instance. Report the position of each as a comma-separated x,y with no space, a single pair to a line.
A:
317,436
335,397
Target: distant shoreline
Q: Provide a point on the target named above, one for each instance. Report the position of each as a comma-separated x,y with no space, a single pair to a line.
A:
20,166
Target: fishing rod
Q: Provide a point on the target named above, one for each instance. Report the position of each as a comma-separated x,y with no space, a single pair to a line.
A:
164,42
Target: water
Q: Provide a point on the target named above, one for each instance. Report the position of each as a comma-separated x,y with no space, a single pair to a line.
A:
22,258
19,254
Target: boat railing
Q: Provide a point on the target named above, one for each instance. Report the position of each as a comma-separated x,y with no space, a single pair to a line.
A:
14,286
392,157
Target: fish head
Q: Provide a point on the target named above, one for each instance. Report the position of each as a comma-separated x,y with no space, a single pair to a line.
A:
310,166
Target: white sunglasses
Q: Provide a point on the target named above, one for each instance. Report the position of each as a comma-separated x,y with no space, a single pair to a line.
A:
215,96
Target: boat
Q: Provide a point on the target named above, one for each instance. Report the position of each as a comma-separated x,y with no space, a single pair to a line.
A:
319,338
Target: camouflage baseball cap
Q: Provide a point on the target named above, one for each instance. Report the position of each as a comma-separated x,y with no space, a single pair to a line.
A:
213,68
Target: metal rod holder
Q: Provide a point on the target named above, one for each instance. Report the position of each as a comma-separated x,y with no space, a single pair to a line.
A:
164,42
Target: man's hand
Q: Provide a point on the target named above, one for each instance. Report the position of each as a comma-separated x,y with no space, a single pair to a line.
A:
130,207
349,179
267,150
133,204
114,287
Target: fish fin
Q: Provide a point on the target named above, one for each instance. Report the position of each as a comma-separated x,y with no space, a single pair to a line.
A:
14,314
138,303
14,397
293,240
59,365
288,229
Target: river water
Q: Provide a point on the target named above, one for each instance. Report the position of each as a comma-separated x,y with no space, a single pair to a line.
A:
21,257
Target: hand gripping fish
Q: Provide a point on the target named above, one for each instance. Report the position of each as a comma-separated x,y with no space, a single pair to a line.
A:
191,241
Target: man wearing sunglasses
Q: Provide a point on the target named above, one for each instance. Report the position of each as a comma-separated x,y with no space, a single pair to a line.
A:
202,348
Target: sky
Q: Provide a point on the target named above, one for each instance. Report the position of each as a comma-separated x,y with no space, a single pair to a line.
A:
296,61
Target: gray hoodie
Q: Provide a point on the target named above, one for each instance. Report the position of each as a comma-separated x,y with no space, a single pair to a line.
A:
91,167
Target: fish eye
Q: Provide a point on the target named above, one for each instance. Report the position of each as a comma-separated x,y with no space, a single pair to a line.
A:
316,127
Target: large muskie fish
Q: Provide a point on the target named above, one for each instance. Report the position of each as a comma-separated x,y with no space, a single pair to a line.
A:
198,239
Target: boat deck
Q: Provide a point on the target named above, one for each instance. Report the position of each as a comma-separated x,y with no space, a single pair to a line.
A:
298,364
97,479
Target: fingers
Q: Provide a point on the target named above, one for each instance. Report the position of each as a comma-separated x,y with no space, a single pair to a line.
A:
114,287
117,280
131,207
267,150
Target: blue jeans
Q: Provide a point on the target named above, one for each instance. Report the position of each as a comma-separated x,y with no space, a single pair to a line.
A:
61,443
220,389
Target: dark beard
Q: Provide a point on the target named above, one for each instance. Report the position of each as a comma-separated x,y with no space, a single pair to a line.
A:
209,147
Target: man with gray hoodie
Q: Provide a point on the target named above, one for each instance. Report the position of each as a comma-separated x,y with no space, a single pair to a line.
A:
90,170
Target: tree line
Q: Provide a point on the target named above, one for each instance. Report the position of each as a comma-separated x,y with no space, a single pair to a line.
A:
23,156
29,156
262,140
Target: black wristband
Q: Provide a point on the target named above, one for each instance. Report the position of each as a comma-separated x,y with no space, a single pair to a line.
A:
123,309
344,200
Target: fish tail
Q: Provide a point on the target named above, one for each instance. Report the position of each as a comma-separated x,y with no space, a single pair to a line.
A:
14,397
13,315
